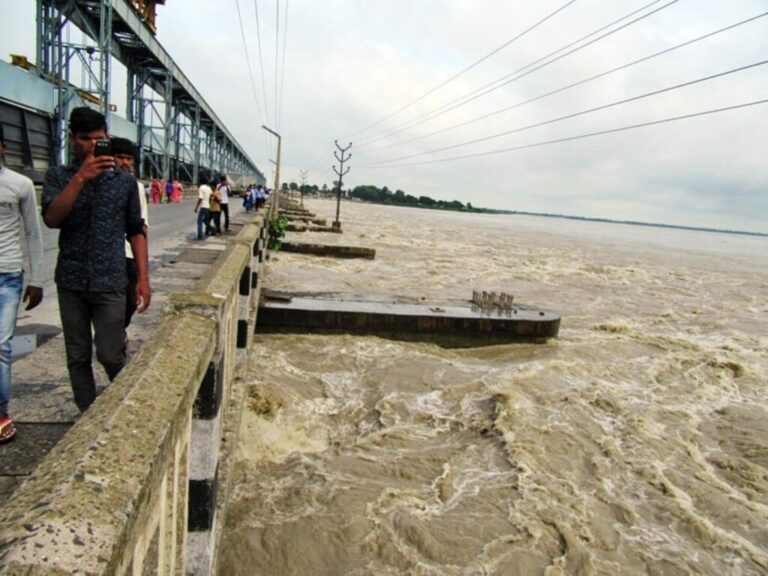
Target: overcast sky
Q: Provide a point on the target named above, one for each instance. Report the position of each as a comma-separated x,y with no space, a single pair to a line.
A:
350,65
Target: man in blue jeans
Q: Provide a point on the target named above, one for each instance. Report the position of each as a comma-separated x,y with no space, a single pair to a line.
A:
95,208
202,208
17,204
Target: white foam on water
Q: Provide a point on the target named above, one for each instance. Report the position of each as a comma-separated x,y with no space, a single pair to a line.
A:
636,442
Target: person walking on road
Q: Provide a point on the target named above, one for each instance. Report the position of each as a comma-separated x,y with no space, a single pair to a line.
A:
17,205
202,207
95,208
214,215
124,152
225,191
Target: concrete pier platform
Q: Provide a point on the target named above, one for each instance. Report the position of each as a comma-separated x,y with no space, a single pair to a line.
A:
453,323
329,250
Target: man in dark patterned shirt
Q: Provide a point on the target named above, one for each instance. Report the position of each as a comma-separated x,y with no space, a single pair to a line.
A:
96,208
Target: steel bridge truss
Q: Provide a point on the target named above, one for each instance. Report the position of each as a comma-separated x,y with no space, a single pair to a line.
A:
180,136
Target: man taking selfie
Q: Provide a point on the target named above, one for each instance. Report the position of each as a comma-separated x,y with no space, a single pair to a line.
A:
95,207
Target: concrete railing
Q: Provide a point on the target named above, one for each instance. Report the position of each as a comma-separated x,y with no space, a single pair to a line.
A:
138,484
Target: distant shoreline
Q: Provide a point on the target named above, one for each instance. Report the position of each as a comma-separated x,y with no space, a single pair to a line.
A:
477,210
629,222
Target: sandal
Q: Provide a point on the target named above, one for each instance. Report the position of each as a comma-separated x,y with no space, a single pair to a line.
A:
7,429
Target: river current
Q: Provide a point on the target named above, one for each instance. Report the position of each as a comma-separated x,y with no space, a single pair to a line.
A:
634,443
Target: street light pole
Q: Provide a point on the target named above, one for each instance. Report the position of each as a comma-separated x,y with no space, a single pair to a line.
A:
273,210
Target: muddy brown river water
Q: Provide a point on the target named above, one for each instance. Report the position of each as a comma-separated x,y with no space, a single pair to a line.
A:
635,443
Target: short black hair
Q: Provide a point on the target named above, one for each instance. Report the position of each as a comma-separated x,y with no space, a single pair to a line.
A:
223,178
2,135
83,120
123,146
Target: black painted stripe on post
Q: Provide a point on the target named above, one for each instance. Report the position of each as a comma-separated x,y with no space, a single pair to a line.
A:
242,333
202,503
245,282
211,390
254,280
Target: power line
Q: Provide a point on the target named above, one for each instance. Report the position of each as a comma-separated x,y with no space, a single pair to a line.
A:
580,113
248,60
572,85
282,74
579,137
468,68
509,78
277,54
261,60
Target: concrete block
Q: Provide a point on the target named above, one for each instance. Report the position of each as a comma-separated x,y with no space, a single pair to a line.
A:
201,547
329,250
205,444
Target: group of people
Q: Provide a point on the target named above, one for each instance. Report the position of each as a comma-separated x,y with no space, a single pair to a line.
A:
102,275
172,191
255,197
212,202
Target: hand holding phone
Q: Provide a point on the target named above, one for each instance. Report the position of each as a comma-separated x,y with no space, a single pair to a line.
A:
98,162
102,147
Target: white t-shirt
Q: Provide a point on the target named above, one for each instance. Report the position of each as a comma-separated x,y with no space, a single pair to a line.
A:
18,204
224,191
144,215
204,193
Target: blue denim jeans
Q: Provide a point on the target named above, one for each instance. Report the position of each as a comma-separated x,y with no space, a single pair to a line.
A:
202,219
10,296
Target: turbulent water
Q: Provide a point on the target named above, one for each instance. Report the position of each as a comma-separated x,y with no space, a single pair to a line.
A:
635,443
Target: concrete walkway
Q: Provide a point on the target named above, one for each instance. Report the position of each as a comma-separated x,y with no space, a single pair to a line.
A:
41,398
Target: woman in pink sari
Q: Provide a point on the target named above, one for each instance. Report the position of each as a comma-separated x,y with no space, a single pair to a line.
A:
155,189
178,192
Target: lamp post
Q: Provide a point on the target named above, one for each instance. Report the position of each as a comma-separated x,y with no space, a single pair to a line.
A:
274,208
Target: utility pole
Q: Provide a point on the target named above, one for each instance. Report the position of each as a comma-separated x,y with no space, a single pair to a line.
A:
340,173
275,206
303,177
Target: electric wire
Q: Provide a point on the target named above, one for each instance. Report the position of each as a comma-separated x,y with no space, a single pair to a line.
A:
277,55
261,60
578,137
569,86
282,73
248,62
521,72
581,112
467,69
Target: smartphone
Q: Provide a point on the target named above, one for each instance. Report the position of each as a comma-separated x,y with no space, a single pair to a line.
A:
103,148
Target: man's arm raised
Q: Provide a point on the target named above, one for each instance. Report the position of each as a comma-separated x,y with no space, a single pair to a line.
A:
60,207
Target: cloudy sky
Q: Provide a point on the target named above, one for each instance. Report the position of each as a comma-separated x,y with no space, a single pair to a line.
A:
451,98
